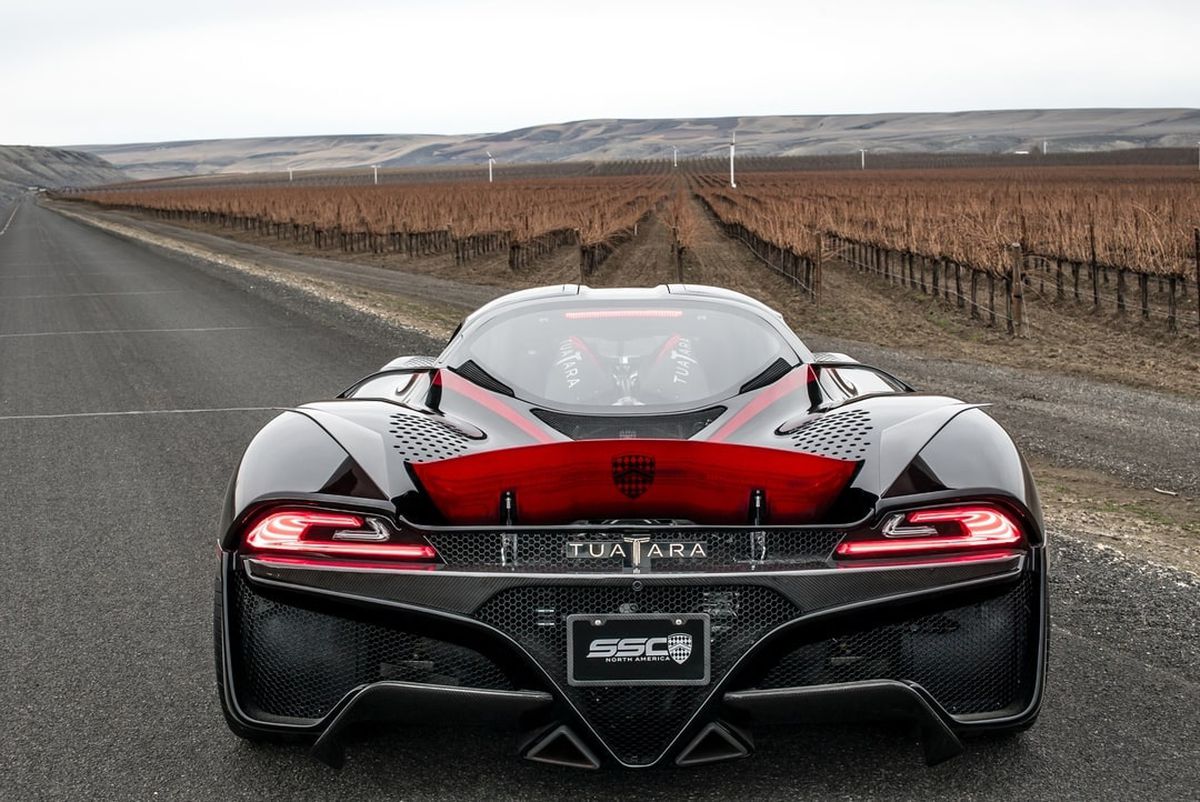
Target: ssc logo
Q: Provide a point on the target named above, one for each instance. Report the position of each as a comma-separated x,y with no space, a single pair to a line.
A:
679,647
633,474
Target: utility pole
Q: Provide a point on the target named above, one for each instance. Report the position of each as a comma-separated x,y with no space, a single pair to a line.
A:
289,175
375,167
491,161
1043,147
862,152
674,157
732,145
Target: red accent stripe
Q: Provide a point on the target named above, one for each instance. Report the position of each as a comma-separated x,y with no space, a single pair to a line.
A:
768,396
452,381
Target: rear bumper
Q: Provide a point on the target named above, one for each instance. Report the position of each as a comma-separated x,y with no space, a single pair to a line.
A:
956,647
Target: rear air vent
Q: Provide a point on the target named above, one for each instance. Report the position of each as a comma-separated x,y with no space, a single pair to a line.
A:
679,426
477,375
844,435
424,439
769,375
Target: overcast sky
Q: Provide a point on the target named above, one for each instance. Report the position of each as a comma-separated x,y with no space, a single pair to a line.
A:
101,71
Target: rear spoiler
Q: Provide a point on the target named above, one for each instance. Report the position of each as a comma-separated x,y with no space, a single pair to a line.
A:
701,481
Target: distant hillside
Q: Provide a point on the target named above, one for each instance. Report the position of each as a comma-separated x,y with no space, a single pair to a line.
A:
163,159
22,167
1072,130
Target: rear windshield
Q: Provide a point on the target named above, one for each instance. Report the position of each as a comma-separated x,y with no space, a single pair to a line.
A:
649,354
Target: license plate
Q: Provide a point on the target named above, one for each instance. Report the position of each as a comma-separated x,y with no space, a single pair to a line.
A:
621,649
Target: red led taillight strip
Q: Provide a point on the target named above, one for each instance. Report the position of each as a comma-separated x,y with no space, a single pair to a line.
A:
298,533
595,314
926,532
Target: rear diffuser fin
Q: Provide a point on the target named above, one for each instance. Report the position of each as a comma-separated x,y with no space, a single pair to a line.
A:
716,742
561,747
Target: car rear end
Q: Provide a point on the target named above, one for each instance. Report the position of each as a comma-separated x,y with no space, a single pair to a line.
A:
633,642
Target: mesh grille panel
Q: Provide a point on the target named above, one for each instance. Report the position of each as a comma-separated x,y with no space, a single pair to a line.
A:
548,550
297,663
638,723
421,439
970,658
845,435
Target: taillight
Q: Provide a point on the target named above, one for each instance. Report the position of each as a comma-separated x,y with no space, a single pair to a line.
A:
317,534
936,531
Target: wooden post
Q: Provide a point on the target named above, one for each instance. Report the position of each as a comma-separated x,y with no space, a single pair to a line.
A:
1172,324
818,266
1009,284
1196,235
1095,271
1144,290
991,299
1058,278
582,255
1121,290
974,294
1018,292
958,292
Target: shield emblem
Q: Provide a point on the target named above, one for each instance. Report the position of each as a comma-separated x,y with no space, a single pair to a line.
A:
633,474
679,646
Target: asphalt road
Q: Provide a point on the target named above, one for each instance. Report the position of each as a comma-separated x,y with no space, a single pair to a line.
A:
129,383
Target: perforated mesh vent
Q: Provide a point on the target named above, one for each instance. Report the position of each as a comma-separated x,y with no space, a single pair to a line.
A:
679,426
971,658
422,439
637,723
845,435
548,550
296,663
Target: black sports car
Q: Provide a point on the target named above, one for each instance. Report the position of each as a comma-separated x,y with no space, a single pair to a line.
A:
631,524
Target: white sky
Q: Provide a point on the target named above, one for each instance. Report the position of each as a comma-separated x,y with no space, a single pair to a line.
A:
99,71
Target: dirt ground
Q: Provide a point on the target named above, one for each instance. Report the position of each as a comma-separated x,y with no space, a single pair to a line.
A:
1150,524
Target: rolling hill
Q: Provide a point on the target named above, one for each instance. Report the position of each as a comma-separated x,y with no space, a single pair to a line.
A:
22,167
1071,130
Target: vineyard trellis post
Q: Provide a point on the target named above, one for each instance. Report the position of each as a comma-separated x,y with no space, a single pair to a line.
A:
1094,267
991,299
1016,321
1172,323
818,264
1196,286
